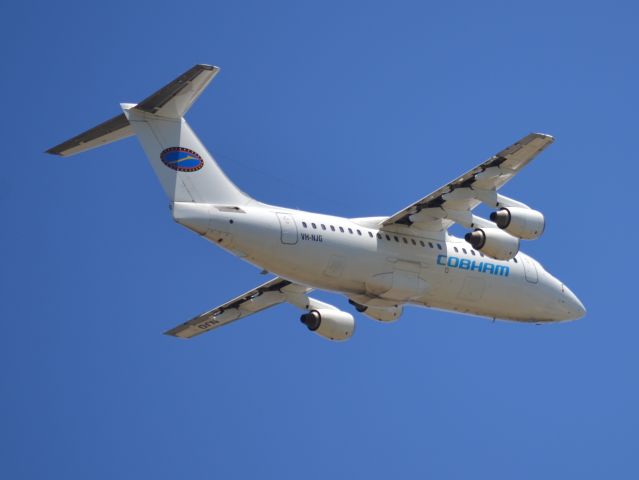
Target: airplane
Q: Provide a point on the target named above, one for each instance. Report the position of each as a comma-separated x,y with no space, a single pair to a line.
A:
381,264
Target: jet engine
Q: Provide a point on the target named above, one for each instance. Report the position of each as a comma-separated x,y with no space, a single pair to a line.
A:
523,223
382,314
493,242
331,324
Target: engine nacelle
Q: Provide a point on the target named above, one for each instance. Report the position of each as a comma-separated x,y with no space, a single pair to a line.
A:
382,314
494,242
521,222
331,324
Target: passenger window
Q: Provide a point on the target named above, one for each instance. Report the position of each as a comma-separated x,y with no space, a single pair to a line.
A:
430,244
379,236
350,230
405,241
341,229
332,228
515,260
464,250
313,225
413,240
439,246
456,249
481,254
387,237
370,234
304,225
396,238
323,227
359,232
472,252
421,242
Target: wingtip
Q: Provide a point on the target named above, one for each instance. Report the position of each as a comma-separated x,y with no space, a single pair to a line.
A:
545,135
172,333
54,151
175,332
206,66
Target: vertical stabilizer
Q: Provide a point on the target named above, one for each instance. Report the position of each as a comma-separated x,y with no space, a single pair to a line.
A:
186,170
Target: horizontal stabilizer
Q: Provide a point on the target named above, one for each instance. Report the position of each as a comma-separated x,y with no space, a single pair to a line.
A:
171,101
174,99
114,129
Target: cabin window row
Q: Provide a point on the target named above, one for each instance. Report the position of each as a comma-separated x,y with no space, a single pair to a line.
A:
396,238
341,229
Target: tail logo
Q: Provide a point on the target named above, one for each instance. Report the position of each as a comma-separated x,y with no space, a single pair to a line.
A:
181,159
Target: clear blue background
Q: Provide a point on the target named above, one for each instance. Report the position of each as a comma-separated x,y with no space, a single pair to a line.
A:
354,109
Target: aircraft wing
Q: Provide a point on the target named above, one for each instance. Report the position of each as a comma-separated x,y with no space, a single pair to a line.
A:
455,200
271,293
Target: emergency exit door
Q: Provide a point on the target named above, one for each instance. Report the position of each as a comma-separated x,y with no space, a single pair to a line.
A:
530,270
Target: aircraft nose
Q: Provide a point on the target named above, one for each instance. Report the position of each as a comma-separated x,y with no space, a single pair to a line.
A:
572,306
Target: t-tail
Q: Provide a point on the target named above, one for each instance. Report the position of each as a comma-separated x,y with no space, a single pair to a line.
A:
187,171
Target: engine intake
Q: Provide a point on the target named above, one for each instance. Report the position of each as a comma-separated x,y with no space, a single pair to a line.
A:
493,242
523,223
331,324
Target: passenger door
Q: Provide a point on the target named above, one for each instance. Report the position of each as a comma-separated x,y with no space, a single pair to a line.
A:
288,228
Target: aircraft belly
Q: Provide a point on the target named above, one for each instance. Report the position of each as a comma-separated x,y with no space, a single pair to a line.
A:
402,283
320,265
471,293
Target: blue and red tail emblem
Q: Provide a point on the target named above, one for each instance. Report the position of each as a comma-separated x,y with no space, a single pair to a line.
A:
181,159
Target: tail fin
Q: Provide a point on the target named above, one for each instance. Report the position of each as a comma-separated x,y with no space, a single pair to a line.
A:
187,171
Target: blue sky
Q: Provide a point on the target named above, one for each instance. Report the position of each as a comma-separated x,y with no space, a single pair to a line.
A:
355,109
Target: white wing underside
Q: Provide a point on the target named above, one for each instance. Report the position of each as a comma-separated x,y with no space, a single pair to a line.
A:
268,294
454,202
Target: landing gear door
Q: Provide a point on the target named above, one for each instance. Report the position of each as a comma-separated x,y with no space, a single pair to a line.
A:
288,228
403,284
530,270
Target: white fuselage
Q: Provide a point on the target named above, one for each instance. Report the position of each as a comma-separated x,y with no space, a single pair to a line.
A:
383,267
